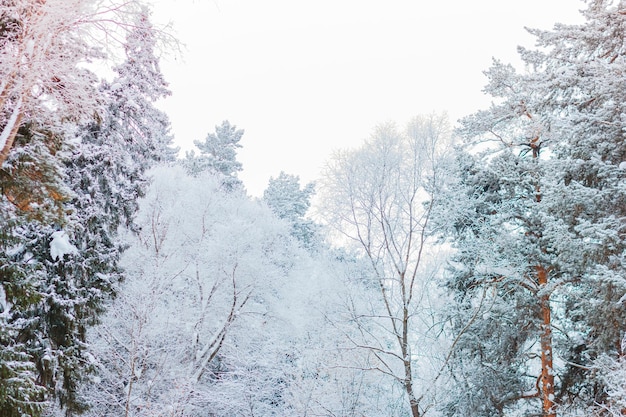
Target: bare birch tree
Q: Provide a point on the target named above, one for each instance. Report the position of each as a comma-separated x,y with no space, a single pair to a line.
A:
380,198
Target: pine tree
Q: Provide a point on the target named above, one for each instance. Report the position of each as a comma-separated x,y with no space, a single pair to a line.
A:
582,82
546,220
108,175
138,85
62,198
218,154
502,315
285,198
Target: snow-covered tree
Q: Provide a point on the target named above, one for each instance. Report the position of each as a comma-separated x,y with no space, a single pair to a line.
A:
218,154
288,201
41,46
132,95
222,313
33,195
380,197
83,183
107,176
499,276
197,276
546,235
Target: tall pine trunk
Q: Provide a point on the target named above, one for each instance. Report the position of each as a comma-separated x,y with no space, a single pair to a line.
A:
547,373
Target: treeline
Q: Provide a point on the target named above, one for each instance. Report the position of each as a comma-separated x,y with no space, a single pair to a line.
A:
474,271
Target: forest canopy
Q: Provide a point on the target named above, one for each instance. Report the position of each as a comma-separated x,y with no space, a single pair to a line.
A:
437,269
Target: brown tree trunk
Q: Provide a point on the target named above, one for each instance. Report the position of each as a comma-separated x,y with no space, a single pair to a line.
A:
547,371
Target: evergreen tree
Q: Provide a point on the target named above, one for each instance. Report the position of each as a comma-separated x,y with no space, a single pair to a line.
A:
33,194
218,154
62,198
132,95
582,81
502,319
285,198
544,223
102,178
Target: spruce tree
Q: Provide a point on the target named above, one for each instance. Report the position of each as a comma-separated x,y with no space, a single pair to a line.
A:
107,174
33,194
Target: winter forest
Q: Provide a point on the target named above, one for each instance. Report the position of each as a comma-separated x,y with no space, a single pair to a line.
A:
439,269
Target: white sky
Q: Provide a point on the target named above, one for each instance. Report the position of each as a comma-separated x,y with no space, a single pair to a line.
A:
305,77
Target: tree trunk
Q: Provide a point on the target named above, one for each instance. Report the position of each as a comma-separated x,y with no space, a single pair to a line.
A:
547,372
7,137
415,409
406,355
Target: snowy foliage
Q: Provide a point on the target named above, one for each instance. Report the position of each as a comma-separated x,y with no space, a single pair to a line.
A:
285,198
131,290
41,47
60,245
542,227
66,188
218,154
221,311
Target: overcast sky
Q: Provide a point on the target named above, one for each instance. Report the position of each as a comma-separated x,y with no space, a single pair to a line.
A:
305,77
